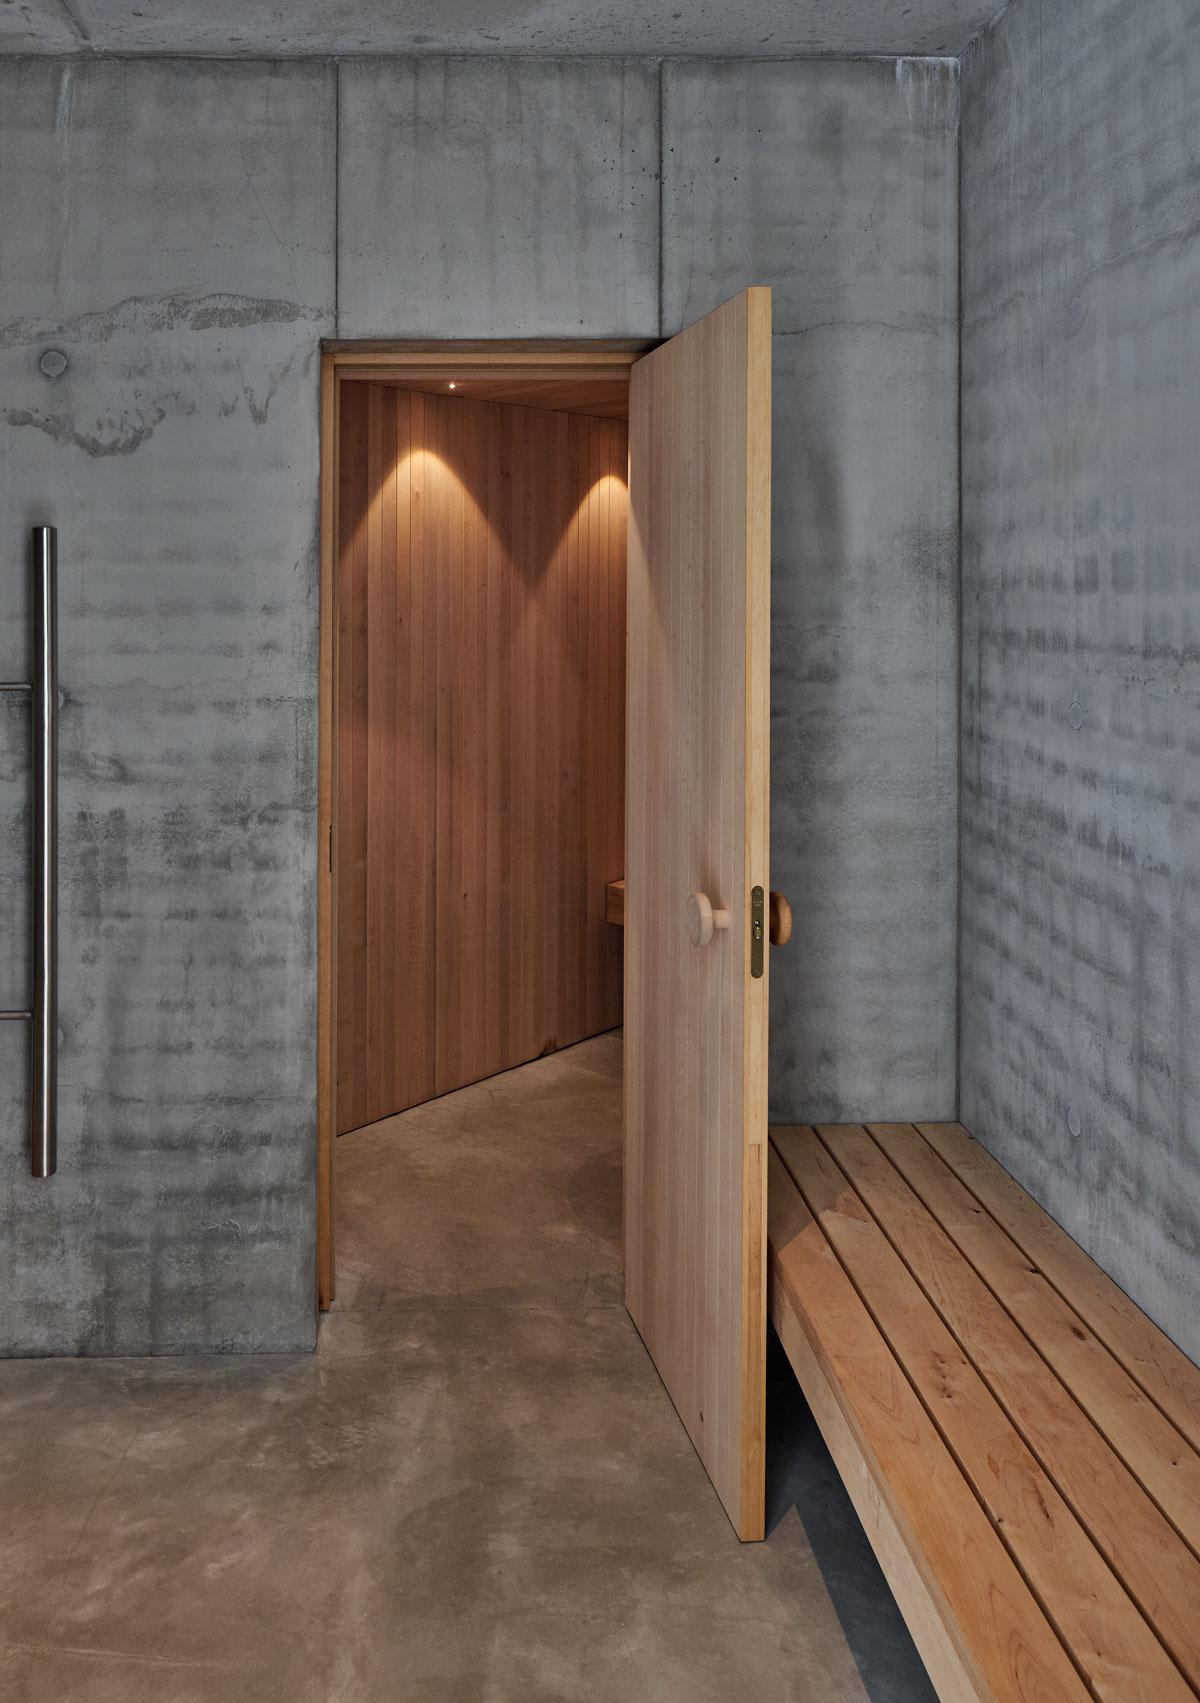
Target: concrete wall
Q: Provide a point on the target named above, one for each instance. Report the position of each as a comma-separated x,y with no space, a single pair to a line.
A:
506,198
176,230
838,185
168,227
1081,632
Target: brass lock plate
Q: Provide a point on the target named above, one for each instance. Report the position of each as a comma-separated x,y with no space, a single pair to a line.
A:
758,929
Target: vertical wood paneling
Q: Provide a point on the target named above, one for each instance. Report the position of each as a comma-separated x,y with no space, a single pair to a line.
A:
697,798
416,763
380,681
351,730
481,739
326,893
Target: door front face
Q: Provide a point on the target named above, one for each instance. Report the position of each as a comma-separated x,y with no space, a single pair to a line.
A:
697,783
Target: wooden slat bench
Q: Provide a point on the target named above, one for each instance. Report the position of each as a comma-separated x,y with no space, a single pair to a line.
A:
1021,1443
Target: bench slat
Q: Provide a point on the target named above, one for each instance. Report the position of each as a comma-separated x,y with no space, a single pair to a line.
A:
1155,1567
1149,1356
1117,1651
1153,1449
974,1620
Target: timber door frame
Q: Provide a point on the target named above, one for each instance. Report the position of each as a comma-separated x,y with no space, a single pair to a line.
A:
375,360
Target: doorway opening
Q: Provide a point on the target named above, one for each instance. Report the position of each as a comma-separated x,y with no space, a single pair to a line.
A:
473,532
697,712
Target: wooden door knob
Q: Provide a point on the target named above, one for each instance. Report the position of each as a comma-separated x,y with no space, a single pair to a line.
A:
702,919
780,929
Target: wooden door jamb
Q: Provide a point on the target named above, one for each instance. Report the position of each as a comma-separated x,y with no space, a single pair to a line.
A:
363,358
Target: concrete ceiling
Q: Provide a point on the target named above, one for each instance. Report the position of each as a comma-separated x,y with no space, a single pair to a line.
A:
296,28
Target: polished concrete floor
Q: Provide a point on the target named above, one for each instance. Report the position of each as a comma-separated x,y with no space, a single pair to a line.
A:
476,1491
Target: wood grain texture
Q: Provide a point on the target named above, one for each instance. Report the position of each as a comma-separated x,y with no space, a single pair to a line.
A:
930,1619
1161,1369
1031,1421
614,903
1115,1647
756,840
1129,1429
697,820
576,354
599,393
480,738
977,1625
326,894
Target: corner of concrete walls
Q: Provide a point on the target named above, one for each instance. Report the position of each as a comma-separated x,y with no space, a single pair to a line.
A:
836,182
1081,401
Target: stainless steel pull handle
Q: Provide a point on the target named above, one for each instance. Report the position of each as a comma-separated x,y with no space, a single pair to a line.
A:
43,690
45,852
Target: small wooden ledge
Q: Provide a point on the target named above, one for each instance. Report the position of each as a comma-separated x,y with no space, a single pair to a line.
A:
614,903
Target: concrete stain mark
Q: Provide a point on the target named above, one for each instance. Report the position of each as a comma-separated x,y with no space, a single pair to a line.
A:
259,411
227,1227
139,316
64,130
926,85
62,105
150,1663
98,853
76,25
95,766
62,430
901,324
1182,234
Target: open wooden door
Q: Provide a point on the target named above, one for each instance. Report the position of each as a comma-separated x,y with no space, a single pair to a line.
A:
696,882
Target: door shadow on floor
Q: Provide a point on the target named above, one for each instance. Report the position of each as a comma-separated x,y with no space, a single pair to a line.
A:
801,1474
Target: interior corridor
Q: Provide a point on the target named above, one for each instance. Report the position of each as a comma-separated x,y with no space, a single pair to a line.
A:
476,1491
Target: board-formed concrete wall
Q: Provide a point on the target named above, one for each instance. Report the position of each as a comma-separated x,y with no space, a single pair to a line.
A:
1080,968
186,233
168,228
838,185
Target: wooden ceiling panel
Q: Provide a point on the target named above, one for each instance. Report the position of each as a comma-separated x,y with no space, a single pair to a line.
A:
604,396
